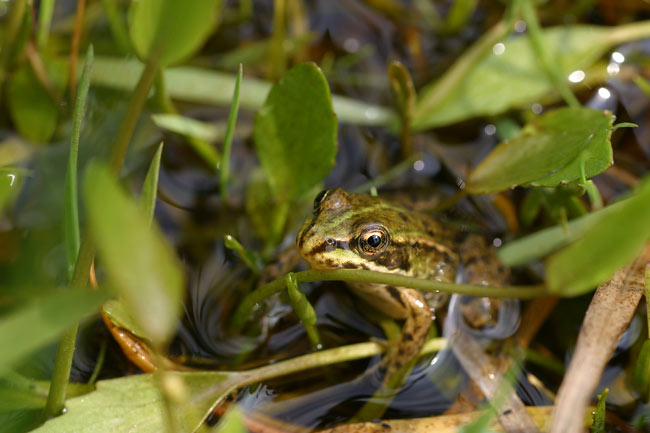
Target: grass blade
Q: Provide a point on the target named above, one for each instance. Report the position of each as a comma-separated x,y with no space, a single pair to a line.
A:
227,144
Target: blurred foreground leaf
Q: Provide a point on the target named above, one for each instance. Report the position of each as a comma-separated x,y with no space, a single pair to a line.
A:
552,149
139,262
134,403
42,320
515,78
610,243
204,86
171,30
31,106
295,132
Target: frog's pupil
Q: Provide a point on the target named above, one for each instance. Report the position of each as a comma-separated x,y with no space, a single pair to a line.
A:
374,241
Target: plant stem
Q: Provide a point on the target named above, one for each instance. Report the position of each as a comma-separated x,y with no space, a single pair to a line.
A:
63,362
327,357
242,312
550,66
61,373
628,32
46,10
74,50
132,115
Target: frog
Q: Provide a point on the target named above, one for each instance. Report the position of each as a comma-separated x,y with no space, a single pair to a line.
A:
349,230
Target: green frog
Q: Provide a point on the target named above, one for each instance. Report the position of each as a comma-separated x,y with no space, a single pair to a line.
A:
359,231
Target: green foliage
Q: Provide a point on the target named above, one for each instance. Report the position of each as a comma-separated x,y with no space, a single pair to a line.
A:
227,142
551,150
71,205
32,108
642,371
232,422
611,242
543,242
499,82
40,322
139,262
168,30
295,132
150,186
134,403
205,86
598,425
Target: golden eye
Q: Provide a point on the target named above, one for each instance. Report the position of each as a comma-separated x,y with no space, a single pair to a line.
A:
373,240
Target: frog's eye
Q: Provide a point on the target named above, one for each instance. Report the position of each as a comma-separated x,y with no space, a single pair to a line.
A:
319,198
373,240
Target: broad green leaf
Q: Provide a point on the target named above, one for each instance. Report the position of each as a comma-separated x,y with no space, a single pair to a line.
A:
71,205
134,403
205,86
543,242
40,322
610,243
139,262
552,149
515,78
150,187
31,107
171,30
295,132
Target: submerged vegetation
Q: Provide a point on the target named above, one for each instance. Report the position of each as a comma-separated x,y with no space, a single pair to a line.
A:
158,158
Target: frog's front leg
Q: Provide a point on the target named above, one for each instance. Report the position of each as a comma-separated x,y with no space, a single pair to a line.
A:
403,304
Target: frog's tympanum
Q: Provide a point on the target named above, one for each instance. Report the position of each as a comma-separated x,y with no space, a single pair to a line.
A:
358,231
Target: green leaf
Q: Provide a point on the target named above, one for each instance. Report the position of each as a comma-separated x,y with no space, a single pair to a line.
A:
224,174
191,127
607,245
543,242
134,403
150,186
71,205
499,82
642,371
42,320
139,262
205,86
552,149
295,132
119,315
171,30
232,422
31,107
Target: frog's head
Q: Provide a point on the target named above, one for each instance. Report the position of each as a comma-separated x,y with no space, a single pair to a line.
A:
354,231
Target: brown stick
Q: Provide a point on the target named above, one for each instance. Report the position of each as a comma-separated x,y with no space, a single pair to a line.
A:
609,313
